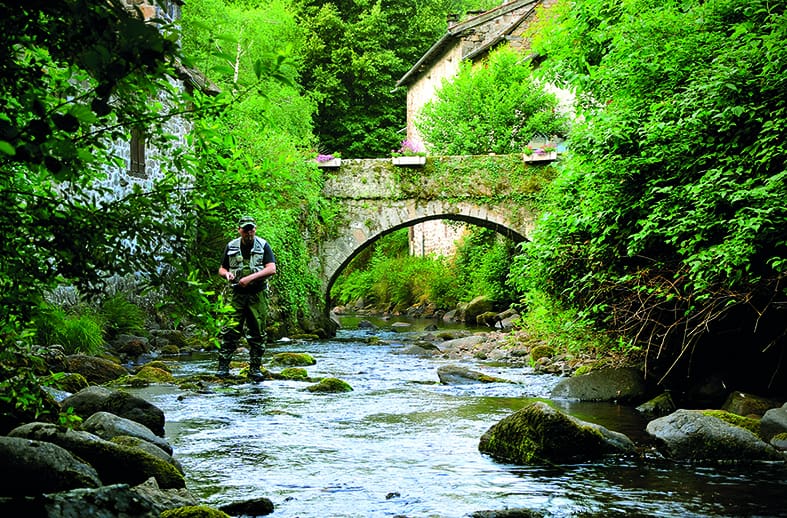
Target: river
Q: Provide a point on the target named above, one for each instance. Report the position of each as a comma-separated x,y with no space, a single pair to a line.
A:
401,444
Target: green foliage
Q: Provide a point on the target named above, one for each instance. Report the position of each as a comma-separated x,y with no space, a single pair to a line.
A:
252,154
387,277
670,215
21,364
354,54
481,266
76,76
562,329
496,108
79,330
121,316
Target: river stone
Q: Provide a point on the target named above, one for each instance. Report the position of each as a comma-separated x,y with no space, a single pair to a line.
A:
256,507
290,359
94,369
745,404
466,343
539,433
330,385
114,501
94,399
30,467
624,385
773,422
136,442
695,436
477,306
659,406
107,426
459,375
114,463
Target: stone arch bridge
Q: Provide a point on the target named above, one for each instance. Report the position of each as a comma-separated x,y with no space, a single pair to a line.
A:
373,197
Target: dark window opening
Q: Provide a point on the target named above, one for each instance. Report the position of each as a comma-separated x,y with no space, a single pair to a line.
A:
137,162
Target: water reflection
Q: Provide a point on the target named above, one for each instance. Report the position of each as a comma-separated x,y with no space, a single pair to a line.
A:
401,444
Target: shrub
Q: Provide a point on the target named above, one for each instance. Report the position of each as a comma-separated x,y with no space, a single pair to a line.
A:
121,316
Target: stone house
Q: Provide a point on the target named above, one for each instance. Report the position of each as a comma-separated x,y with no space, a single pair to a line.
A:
143,162
470,39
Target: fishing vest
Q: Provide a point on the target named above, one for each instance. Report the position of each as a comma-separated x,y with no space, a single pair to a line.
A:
241,268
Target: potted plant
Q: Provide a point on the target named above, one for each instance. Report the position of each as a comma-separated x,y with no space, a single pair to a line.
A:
410,153
331,160
544,152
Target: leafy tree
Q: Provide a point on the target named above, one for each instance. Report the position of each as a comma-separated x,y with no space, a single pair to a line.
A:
75,76
669,222
356,51
255,154
494,108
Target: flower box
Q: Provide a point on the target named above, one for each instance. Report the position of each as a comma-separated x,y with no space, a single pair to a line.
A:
540,156
333,162
408,160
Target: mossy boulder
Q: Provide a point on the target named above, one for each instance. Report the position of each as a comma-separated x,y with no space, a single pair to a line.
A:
94,369
708,436
749,423
541,351
194,511
94,399
745,404
659,406
774,422
294,373
539,433
115,464
330,385
31,467
293,359
68,381
155,375
477,306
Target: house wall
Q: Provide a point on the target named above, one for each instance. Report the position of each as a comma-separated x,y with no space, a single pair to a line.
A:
435,237
422,90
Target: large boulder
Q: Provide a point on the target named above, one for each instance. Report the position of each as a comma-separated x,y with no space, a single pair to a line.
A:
459,375
774,422
114,463
615,384
745,404
659,406
108,426
477,306
30,467
146,500
94,369
539,433
698,435
94,399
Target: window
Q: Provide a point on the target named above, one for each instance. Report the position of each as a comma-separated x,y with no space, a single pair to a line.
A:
137,155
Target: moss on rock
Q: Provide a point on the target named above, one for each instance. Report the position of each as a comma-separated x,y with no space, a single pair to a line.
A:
747,423
294,373
155,375
539,433
194,511
330,385
293,359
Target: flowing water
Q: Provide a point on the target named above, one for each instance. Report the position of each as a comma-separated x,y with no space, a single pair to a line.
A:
401,444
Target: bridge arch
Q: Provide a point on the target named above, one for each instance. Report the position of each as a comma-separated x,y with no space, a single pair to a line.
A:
374,198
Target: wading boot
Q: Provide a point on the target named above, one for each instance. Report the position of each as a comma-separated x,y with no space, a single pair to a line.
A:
255,374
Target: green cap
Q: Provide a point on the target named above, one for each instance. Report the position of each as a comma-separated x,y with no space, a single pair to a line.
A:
247,221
